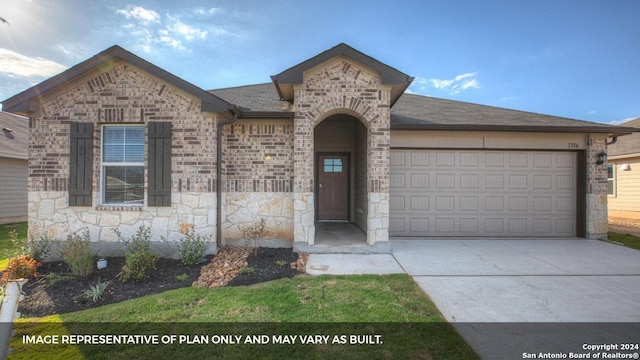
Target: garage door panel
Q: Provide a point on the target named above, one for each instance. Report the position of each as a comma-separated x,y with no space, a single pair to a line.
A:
484,193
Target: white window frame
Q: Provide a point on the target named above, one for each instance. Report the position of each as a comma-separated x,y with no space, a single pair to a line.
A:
611,190
104,165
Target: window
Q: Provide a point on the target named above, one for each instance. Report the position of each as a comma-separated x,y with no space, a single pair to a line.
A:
333,165
611,178
123,165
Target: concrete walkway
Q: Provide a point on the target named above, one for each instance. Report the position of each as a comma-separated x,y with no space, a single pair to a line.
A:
499,291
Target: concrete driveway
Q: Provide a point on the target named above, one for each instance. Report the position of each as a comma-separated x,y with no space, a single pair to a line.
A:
511,297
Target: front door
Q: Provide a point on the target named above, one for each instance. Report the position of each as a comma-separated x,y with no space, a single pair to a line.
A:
333,187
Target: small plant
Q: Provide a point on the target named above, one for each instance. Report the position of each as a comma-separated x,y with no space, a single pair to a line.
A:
192,248
253,233
37,249
247,270
20,267
182,277
54,278
77,254
281,263
95,292
139,259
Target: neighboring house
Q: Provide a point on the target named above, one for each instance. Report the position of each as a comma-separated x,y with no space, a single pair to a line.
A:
624,178
117,142
13,167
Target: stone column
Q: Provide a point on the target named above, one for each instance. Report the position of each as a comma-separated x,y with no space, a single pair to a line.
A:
597,189
303,205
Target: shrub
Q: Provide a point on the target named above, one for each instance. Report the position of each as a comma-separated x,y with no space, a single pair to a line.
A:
20,267
252,235
191,249
139,259
77,254
36,249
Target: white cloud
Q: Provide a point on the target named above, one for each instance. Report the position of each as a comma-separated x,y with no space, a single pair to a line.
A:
139,13
13,63
188,32
456,85
453,86
150,29
620,122
203,11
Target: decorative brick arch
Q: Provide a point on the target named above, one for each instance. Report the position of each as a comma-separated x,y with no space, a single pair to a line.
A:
342,86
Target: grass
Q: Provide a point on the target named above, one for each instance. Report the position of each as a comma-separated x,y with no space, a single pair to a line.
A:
338,306
5,242
626,240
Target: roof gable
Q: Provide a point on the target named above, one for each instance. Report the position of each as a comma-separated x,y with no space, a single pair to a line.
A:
285,80
20,102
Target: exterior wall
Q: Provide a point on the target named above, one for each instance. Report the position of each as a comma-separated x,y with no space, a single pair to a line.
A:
341,86
624,204
121,94
50,214
13,190
257,179
597,188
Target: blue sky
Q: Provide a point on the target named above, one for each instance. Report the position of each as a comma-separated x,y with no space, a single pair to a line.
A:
577,59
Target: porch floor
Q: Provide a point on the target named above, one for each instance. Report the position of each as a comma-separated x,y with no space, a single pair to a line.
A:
341,238
339,234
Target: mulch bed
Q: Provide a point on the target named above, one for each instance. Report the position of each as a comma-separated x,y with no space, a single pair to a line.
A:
68,294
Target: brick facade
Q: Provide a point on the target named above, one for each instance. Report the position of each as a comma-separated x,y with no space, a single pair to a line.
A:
127,95
258,155
341,86
123,94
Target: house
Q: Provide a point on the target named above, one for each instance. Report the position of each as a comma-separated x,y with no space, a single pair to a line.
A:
623,174
13,168
117,142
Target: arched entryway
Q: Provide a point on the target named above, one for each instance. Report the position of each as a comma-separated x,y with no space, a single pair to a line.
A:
340,173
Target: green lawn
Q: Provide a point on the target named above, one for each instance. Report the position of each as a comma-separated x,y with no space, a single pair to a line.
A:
5,242
392,306
626,240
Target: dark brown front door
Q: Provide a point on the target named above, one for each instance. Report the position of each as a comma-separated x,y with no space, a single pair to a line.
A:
333,187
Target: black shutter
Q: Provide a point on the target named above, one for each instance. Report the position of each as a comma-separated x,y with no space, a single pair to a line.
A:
81,164
159,161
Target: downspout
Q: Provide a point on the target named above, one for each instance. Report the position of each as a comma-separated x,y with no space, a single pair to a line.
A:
235,111
613,141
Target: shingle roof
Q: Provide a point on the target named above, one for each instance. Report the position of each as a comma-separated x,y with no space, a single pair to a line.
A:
259,98
14,136
415,112
423,112
627,145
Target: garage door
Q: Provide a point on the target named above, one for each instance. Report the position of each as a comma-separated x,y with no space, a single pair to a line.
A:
482,193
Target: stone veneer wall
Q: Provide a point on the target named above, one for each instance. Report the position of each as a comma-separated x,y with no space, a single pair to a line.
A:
341,86
257,178
597,189
121,94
